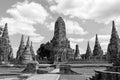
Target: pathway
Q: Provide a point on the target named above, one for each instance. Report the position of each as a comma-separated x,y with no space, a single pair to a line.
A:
44,77
51,76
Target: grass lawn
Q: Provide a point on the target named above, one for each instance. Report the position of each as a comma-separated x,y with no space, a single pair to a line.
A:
9,72
85,73
12,72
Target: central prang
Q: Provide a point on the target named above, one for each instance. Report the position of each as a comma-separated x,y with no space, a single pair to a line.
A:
60,43
58,49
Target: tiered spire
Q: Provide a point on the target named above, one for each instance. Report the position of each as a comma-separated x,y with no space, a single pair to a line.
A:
114,34
21,48
26,55
77,53
7,45
114,45
97,48
88,51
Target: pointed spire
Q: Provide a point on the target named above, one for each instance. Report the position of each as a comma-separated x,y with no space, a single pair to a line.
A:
21,48
114,34
28,42
114,31
6,24
5,32
88,51
77,53
113,50
97,48
113,27
7,45
88,46
22,41
96,40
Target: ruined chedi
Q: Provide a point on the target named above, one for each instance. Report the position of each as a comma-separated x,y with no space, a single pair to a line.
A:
21,49
113,50
27,56
88,52
97,51
77,53
6,54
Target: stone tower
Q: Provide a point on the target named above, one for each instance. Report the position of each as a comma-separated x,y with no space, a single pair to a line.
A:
6,46
59,37
27,56
60,43
88,52
32,51
21,48
97,51
77,53
113,50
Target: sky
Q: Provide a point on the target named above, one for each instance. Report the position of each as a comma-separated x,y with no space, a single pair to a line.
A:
83,19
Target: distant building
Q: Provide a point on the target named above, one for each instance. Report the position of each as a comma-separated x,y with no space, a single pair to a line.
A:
97,51
88,53
113,53
77,53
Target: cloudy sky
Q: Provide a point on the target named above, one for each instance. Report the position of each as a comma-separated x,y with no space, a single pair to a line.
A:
83,18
